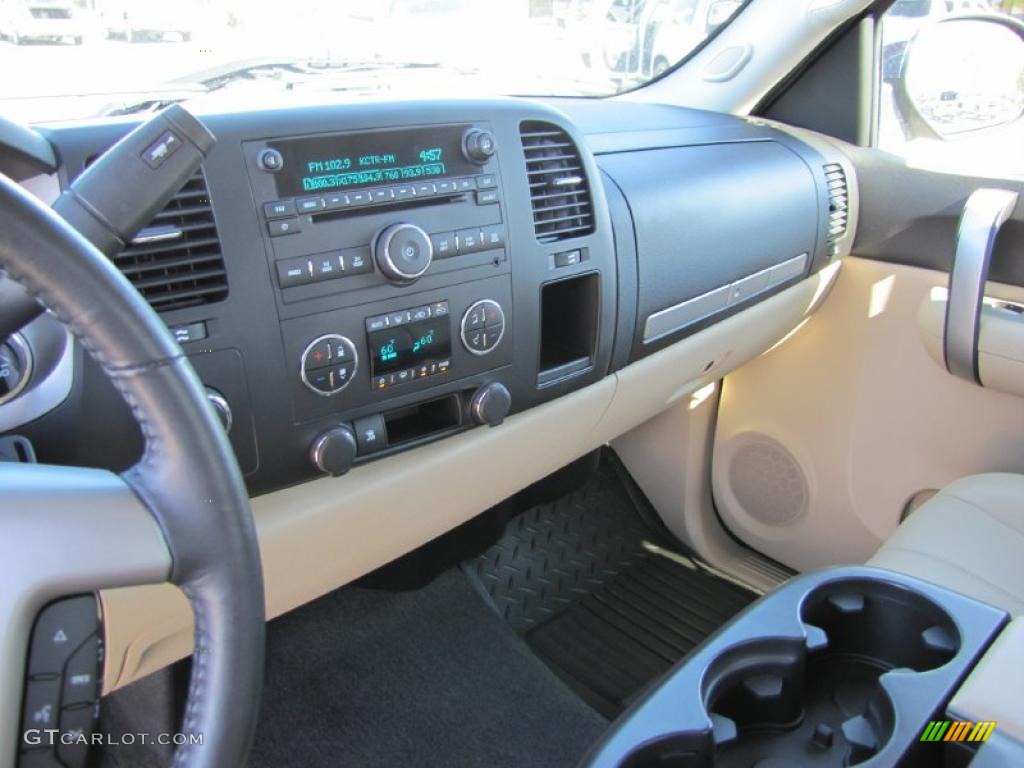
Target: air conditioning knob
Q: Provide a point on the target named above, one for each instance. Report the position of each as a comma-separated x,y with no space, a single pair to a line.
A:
478,145
490,404
334,450
403,252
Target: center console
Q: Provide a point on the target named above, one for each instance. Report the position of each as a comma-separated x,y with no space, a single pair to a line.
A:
846,666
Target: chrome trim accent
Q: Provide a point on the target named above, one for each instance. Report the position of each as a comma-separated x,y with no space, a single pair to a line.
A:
220,405
675,318
157,235
355,363
382,252
984,213
21,348
462,327
567,181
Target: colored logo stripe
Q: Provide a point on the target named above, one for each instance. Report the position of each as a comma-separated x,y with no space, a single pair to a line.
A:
958,730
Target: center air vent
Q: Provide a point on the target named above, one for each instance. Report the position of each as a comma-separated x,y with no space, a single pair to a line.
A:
838,201
558,184
176,261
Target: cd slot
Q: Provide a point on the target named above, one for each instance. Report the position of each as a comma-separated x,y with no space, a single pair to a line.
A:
400,205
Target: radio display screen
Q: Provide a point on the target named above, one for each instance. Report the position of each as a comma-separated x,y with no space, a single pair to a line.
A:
406,346
356,160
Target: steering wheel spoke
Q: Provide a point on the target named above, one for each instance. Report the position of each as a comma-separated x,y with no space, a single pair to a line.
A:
67,530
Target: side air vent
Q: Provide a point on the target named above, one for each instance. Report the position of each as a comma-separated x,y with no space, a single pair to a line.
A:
838,201
558,184
176,261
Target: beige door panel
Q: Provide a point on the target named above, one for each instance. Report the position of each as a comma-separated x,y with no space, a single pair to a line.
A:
823,441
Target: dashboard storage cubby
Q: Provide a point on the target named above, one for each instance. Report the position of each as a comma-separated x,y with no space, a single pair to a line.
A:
836,668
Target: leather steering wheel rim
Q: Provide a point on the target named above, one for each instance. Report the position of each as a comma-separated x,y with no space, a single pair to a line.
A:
188,478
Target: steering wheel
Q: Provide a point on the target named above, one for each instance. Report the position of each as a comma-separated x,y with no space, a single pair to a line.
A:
181,514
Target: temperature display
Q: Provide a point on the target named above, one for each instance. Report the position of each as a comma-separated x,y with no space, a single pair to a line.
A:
406,346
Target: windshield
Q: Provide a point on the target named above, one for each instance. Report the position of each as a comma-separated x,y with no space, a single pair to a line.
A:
67,60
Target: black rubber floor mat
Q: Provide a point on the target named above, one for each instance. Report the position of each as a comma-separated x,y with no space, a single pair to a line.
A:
615,640
604,612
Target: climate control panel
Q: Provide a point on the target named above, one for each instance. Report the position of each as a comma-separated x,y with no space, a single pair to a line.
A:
328,364
483,326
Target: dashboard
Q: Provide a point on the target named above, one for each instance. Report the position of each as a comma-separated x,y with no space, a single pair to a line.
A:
351,282
404,313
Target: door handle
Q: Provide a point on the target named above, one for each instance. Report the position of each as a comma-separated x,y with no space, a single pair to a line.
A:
984,214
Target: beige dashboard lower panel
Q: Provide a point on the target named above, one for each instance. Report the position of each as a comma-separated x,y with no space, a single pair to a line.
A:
320,535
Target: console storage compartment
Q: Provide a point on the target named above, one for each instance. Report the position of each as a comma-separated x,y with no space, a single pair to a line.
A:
836,668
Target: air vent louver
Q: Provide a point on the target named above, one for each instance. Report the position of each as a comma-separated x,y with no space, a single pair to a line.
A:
558,184
838,201
176,260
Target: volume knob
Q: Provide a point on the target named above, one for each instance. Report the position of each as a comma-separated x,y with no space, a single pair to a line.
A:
403,252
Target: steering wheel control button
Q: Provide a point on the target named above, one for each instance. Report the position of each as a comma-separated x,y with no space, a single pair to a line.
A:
371,434
42,704
76,725
333,451
81,674
403,252
329,364
15,367
270,160
60,629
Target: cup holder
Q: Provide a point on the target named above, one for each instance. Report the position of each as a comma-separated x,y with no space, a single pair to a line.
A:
786,703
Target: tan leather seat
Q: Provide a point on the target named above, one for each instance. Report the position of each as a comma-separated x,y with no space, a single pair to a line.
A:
969,538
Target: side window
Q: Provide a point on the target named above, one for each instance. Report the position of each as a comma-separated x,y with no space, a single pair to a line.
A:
952,90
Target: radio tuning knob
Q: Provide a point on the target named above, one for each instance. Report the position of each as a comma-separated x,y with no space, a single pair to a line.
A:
334,450
478,145
403,252
490,404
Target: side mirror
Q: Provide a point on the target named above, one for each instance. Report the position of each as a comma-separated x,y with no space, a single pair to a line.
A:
960,75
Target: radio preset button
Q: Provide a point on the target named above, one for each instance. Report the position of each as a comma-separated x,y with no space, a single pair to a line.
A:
404,191
444,245
382,195
425,189
309,204
445,187
279,208
359,198
336,200
464,184
280,227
